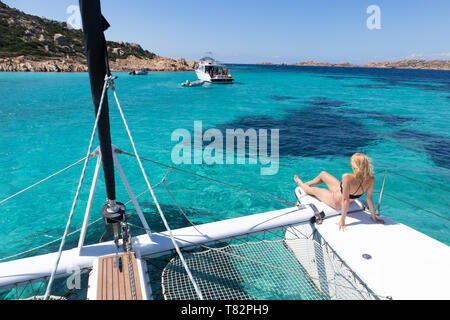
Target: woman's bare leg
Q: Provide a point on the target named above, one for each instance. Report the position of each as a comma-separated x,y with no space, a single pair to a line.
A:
323,195
314,182
332,183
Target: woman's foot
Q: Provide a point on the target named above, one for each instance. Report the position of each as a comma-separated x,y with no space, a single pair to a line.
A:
298,181
307,189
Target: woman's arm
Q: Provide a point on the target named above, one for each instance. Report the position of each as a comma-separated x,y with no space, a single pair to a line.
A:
345,201
369,199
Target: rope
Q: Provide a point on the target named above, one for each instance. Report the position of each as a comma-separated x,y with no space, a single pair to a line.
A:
163,182
154,197
78,230
35,293
284,201
109,83
179,208
80,183
211,179
40,181
43,298
411,204
413,179
208,248
46,244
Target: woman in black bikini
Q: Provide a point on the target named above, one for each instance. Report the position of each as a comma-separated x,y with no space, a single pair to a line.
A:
339,195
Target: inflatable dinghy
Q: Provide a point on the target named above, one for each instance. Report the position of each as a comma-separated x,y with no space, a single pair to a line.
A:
192,84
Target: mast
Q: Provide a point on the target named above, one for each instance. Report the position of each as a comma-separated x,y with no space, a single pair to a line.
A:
94,24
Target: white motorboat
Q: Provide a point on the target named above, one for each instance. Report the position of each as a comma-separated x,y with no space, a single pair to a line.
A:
210,70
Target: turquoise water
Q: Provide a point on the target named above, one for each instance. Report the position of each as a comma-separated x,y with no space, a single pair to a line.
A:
400,118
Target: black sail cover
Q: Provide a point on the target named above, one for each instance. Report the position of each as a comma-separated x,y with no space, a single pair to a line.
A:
94,24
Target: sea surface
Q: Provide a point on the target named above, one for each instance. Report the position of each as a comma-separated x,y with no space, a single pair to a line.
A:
399,118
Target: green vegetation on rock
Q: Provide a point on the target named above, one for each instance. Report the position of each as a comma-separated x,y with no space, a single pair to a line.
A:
27,35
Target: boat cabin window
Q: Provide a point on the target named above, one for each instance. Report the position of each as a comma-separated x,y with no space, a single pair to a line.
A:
215,70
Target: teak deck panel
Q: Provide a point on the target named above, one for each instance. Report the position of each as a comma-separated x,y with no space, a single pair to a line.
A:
113,284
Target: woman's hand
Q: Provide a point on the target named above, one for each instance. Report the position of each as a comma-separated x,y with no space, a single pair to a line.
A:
341,225
376,220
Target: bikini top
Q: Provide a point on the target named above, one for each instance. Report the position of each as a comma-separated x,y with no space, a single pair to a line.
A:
353,196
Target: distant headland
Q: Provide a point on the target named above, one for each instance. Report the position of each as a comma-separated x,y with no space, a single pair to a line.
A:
35,44
402,64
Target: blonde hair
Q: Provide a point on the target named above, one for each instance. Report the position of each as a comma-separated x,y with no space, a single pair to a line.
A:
362,166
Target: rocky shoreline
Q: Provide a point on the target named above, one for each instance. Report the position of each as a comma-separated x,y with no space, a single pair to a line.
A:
36,44
157,63
163,64
69,64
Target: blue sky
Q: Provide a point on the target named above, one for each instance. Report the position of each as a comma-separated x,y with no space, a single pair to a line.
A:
253,31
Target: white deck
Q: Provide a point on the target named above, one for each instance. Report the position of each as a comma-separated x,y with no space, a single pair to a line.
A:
405,263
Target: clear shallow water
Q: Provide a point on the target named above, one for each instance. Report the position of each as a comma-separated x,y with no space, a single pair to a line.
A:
400,118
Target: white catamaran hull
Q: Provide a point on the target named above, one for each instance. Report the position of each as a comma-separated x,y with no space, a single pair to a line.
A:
392,259
398,267
29,269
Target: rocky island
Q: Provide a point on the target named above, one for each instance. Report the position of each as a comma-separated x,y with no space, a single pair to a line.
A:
35,44
402,64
